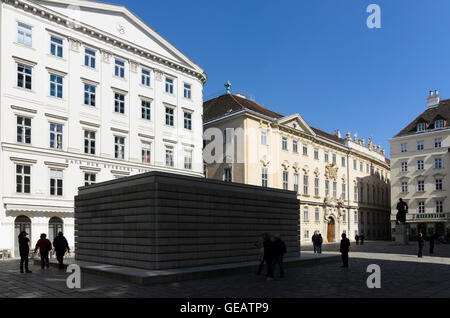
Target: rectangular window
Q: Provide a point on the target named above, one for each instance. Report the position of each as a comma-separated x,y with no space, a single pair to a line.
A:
343,161
404,147
344,192
119,103
285,180
439,185
316,187
335,190
169,157
146,110
89,142
170,117
355,193
305,185
23,130
438,143
327,157
438,163
264,177
327,188
355,164
420,165
169,85
295,146
316,154
421,127
228,174
306,214
296,182
146,154
420,145
439,207
355,217
89,58
145,78
361,166
24,34
56,182
404,187
24,75
421,207
89,179
284,143
89,95
23,179
404,167
188,160
421,186
264,137
334,159
56,134
317,215
187,121
439,124
56,46
367,168
119,69
187,91
305,149
56,86
119,147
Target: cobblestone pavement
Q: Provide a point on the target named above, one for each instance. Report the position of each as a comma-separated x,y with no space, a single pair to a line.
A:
402,275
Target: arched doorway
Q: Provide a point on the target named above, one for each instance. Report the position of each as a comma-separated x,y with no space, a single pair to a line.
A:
55,225
331,231
22,223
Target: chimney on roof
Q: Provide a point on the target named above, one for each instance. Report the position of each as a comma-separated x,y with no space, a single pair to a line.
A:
433,99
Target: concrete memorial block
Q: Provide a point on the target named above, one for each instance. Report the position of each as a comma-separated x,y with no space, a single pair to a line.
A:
160,221
401,234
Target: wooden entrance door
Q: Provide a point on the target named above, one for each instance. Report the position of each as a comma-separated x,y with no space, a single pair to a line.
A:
331,233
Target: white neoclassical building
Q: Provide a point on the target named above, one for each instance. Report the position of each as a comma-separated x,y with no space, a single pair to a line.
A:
88,93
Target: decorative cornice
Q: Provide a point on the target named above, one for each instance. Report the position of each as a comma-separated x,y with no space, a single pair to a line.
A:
56,164
57,117
23,109
22,160
98,35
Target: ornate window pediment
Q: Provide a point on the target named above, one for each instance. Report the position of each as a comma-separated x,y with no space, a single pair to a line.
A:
331,172
285,165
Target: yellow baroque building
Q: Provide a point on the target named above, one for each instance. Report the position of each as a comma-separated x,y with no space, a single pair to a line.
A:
343,183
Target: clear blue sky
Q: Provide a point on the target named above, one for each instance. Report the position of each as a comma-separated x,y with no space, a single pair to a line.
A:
317,58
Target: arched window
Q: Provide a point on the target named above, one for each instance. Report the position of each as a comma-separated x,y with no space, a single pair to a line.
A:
22,223
55,225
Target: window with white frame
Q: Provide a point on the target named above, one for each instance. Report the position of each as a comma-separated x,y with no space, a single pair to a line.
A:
23,179
23,130
146,153
420,145
285,180
89,178
89,142
355,217
404,147
188,160
404,167
187,91
361,198
421,207
355,164
344,216
355,193
188,120
89,58
438,163
170,117
439,207
421,186
56,86
146,109
89,94
367,168
327,157
24,34
24,76
316,154
145,77
119,147
306,214
56,182
264,177
421,127
327,188
334,159
169,85
296,182
284,143
228,174
438,143
361,166
169,156
420,164
344,191
264,137
56,136
335,190
305,149
439,184
404,187
317,215
56,46
119,103
119,68
343,161
316,187
305,185
439,124
295,146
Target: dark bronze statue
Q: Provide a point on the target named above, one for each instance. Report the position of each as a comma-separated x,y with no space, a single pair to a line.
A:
402,209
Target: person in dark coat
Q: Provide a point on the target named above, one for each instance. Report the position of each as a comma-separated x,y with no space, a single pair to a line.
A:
315,240
319,243
362,238
24,249
279,249
345,249
61,247
433,239
357,239
44,246
421,244
268,255
260,246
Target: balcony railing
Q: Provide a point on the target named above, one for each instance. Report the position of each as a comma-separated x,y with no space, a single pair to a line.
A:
424,216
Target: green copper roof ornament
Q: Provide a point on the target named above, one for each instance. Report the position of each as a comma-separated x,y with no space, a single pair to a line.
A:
228,87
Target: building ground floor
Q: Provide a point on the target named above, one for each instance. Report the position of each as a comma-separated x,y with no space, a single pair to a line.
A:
428,228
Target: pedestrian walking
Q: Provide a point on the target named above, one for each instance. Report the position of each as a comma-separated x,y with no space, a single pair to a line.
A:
44,246
345,249
421,244
319,244
357,239
61,247
315,241
362,238
268,255
279,249
24,250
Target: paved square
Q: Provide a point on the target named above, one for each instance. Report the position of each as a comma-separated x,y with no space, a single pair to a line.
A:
402,275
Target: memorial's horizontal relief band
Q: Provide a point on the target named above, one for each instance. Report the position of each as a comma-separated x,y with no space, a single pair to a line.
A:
164,221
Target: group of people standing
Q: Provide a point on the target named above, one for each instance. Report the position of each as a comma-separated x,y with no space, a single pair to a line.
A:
317,242
44,246
421,241
272,252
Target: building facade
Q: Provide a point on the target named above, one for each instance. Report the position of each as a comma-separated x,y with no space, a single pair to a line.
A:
89,93
343,184
420,166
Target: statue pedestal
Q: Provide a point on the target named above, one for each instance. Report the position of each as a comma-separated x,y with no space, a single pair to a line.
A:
401,234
